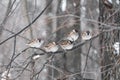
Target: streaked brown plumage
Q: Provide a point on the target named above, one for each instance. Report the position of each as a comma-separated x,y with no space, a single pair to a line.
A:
66,44
73,35
51,47
35,43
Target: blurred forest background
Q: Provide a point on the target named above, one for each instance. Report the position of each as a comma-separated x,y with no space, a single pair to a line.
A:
93,59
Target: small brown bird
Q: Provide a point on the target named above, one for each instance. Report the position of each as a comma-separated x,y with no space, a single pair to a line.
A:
86,35
51,47
66,44
73,35
108,4
37,43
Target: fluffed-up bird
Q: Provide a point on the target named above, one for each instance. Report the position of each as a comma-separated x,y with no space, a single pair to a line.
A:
37,43
86,35
51,47
73,35
66,44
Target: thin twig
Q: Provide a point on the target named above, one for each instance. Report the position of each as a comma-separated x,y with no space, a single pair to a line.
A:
27,25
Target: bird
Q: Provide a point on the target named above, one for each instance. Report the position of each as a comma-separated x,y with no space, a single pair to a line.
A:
73,35
66,44
86,35
108,4
51,47
37,43
116,47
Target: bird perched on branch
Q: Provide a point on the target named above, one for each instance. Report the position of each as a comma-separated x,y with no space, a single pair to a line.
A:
51,47
86,35
66,44
73,35
37,43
